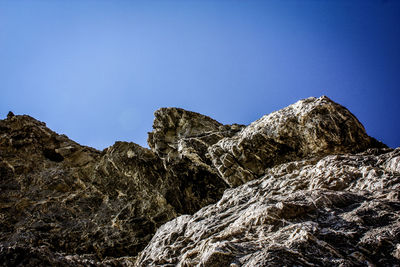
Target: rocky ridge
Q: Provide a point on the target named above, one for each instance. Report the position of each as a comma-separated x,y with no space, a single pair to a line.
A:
302,186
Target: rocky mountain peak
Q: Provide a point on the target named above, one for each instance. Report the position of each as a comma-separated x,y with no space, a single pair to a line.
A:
177,132
304,185
311,127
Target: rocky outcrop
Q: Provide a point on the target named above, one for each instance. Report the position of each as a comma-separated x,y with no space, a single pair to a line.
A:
340,210
312,127
178,133
181,139
60,197
286,189
58,194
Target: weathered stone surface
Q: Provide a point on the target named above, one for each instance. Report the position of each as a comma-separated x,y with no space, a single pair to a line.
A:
181,139
316,203
340,210
77,200
180,133
311,127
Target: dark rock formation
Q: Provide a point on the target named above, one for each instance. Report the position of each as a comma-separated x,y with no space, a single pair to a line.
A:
316,202
76,200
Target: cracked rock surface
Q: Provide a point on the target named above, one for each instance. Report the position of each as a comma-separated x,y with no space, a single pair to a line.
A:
340,210
311,127
63,203
302,186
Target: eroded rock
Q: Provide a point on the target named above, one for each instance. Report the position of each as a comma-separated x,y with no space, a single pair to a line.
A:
312,127
181,139
316,203
329,212
76,200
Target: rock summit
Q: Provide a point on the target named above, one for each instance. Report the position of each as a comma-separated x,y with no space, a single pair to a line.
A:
302,186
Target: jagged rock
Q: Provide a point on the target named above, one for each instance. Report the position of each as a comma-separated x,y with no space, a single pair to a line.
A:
181,139
312,127
77,200
63,204
340,210
180,133
10,115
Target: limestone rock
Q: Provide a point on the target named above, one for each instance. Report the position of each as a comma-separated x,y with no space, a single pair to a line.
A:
312,127
315,203
341,210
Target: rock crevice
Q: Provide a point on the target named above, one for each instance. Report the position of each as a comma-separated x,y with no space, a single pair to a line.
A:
304,185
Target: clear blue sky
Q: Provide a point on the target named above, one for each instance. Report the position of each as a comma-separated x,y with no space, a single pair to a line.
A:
97,70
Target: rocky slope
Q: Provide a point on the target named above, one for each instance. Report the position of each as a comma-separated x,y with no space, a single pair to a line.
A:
341,210
302,186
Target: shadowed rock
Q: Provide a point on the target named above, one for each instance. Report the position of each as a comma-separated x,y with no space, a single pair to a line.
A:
77,200
316,202
181,139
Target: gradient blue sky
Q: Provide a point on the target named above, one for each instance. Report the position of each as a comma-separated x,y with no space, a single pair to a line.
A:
97,70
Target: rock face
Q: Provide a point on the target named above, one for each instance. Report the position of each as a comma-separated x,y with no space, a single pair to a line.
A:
312,127
66,198
72,199
341,210
301,186
181,139
180,133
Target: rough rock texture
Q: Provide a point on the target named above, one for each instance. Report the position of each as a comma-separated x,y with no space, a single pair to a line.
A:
179,133
309,128
58,194
340,210
316,202
181,139
59,197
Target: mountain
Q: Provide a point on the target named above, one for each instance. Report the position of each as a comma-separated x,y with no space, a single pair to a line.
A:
302,186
